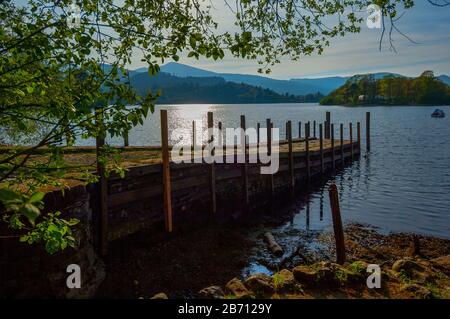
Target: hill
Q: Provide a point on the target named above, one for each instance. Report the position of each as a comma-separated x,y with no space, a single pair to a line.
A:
390,90
211,89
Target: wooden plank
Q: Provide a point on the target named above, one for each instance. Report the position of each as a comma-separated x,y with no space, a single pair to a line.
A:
103,187
269,152
368,131
245,164
322,168
341,131
350,127
307,133
222,142
333,157
337,224
166,171
291,157
212,171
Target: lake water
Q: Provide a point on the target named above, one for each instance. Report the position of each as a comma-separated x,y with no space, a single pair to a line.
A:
403,184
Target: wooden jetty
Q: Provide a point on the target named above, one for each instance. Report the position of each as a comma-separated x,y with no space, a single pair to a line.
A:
172,192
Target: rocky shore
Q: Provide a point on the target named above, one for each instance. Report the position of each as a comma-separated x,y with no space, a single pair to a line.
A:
411,267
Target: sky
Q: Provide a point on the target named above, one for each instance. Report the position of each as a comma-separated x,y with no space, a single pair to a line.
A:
427,25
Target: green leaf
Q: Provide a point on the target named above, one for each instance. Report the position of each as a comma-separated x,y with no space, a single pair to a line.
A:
8,195
31,212
36,197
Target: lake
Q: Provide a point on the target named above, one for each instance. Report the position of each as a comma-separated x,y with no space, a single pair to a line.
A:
402,185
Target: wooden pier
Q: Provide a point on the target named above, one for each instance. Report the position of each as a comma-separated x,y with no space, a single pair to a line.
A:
172,192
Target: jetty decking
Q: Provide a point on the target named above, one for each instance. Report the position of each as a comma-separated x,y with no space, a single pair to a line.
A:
174,192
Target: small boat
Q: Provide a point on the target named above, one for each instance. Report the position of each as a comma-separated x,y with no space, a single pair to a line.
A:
438,113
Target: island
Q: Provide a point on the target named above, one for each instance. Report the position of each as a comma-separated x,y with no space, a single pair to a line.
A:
366,89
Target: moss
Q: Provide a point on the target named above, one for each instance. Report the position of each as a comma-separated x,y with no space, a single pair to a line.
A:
357,267
435,293
404,277
341,275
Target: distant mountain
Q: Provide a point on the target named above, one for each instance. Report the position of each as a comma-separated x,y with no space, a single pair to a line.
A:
212,89
299,86
444,78
279,86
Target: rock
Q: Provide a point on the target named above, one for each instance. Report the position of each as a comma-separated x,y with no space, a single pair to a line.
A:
237,288
261,284
406,264
304,274
413,271
442,263
284,281
212,292
417,290
160,295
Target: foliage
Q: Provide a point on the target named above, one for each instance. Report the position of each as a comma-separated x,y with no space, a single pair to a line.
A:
211,90
365,90
357,267
61,82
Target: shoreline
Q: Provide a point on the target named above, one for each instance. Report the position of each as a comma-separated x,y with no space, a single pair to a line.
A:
210,265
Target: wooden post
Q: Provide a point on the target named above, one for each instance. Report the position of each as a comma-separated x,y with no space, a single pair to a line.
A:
245,166
166,171
269,153
291,155
307,132
299,129
222,142
314,129
358,135
333,160
368,131
103,186
212,171
341,131
126,140
337,224
328,125
350,127
322,168
258,138
194,140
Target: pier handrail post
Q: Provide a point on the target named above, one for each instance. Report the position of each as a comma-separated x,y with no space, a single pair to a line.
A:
299,130
126,138
166,171
222,142
194,140
307,134
358,135
212,171
291,155
333,157
337,224
269,153
258,137
350,127
103,185
341,132
245,166
314,129
322,169
328,125
368,131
